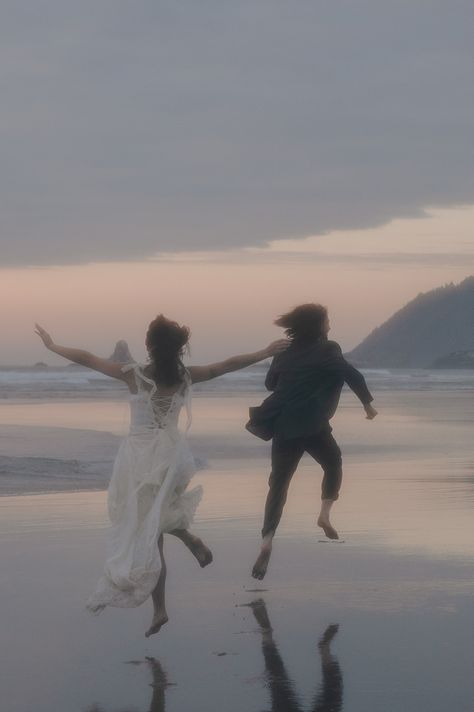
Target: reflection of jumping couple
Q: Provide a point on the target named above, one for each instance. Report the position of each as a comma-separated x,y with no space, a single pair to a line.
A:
148,492
328,697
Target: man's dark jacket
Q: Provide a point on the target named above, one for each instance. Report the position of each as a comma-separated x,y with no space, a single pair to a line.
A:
306,381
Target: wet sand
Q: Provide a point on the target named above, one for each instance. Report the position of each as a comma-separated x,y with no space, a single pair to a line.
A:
381,621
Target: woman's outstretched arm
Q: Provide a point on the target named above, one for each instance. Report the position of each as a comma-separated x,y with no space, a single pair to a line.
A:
83,358
235,363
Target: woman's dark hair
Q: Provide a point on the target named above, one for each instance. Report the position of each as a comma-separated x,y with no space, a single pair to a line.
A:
304,323
166,342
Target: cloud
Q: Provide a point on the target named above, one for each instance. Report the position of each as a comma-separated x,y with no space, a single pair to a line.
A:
135,128
365,259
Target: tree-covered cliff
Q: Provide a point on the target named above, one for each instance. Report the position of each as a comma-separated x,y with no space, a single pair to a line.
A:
428,328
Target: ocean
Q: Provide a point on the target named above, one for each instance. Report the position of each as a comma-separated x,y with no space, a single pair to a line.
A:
72,382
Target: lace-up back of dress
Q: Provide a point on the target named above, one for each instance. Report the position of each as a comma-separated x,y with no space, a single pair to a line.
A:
165,407
153,409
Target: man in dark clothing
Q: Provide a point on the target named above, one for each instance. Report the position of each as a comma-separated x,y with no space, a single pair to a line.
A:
306,381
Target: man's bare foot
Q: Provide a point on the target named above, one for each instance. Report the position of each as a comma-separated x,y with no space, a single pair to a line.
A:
260,567
159,620
328,635
327,528
200,551
259,610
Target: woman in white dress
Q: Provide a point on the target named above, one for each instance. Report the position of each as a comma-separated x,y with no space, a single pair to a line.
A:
148,493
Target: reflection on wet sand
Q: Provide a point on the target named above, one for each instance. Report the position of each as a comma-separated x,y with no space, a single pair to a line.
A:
159,685
329,696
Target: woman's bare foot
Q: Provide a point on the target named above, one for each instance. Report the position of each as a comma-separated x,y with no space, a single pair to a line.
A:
327,528
200,551
196,546
260,567
159,620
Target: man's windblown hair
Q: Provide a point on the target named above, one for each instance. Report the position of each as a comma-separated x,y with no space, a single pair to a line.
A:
304,323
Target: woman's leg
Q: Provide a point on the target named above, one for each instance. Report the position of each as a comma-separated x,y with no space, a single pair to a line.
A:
160,616
196,546
159,685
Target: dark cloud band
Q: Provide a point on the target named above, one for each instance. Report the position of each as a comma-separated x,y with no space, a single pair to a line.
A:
131,129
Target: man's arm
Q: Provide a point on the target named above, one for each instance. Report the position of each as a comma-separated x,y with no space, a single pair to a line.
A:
271,379
356,382
354,379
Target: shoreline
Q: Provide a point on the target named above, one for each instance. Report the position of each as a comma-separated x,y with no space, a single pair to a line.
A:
71,445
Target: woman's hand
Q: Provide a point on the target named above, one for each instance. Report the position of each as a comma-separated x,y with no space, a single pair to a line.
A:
44,336
370,411
276,347
83,358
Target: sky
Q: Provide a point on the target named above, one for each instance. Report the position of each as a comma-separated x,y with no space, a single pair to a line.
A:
222,162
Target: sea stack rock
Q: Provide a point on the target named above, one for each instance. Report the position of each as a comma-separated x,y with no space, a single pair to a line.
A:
41,366
121,353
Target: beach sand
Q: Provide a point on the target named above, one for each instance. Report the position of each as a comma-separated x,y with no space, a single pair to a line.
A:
399,585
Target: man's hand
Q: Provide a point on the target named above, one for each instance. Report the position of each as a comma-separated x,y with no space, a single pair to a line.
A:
370,411
44,336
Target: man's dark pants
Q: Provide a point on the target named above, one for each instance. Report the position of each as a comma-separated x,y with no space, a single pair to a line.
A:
286,454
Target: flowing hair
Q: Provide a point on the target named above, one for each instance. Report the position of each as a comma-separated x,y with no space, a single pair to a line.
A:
166,342
304,323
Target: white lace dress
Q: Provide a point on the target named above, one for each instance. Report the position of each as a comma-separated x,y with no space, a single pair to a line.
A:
147,493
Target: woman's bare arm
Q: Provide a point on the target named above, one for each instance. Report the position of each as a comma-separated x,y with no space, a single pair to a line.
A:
235,363
83,358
